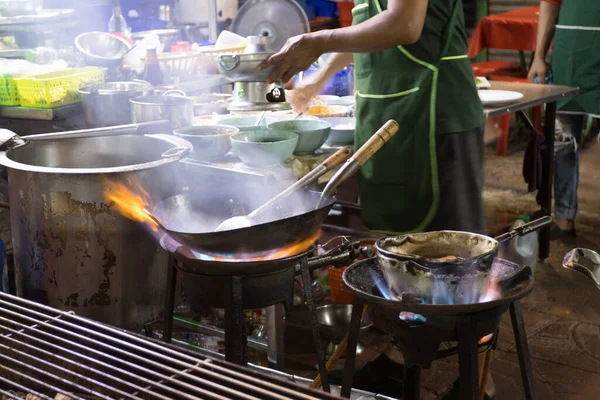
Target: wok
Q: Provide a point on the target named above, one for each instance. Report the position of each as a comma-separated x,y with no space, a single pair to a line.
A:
191,218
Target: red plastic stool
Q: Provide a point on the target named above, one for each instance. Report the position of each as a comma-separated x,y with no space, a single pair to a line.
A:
488,68
504,120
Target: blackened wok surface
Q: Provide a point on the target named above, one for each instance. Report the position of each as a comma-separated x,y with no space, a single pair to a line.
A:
362,276
191,218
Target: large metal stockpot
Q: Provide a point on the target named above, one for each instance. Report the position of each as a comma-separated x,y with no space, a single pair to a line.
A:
73,249
108,104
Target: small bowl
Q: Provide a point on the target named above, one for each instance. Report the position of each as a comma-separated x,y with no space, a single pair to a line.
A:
342,131
312,133
264,147
247,123
209,141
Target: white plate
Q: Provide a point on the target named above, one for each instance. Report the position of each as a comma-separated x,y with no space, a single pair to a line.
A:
499,97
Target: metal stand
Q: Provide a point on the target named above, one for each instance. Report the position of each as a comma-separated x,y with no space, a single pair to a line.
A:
307,284
545,194
353,333
522,350
468,337
236,338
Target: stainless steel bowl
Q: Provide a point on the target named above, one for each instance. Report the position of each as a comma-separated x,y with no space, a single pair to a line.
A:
334,321
101,48
14,8
242,67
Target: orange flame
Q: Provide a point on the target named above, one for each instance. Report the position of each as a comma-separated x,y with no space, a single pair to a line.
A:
494,293
284,252
131,201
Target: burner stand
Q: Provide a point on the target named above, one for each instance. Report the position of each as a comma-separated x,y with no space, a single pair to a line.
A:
419,343
246,291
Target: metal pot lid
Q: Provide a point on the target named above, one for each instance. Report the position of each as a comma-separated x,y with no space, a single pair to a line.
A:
279,20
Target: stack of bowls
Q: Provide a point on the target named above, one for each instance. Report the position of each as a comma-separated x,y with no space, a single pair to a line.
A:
246,123
210,141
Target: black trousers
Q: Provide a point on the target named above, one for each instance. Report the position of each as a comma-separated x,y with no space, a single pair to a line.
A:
460,171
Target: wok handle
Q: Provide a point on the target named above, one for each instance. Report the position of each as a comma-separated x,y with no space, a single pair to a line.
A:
333,161
526,229
337,158
381,137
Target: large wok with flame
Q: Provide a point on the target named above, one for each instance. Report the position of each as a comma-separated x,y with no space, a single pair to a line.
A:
191,218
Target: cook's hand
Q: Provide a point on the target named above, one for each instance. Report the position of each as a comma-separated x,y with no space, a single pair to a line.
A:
297,55
301,96
538,69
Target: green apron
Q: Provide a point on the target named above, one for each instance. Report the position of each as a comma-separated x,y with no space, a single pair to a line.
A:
576,56
398,187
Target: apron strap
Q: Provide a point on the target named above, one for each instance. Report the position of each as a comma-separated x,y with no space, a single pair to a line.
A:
448,32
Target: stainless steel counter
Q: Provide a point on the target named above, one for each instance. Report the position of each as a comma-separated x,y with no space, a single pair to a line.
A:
41,114
535,95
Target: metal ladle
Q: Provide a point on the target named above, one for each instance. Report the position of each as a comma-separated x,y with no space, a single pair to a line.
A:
330,163
584,261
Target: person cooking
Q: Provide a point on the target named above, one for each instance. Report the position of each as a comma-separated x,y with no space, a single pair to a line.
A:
410,65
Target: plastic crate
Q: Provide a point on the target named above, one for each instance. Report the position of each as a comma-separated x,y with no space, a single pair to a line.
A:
9,94
57,89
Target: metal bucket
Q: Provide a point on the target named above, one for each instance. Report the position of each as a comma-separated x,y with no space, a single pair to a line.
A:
108,104
73,250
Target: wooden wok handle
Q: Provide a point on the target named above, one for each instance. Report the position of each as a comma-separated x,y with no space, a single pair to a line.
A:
381,137
336,355
337,158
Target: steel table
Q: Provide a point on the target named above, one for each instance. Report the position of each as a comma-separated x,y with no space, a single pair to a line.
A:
536,95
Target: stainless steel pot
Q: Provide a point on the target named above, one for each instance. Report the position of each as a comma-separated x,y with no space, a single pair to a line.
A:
444,267
73,250
178,109
108,104
242,67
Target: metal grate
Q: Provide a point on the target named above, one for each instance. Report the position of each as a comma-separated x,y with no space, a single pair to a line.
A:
48,353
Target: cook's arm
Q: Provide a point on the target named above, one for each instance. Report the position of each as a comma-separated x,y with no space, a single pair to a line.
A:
335,63
313,84
402,23
546,25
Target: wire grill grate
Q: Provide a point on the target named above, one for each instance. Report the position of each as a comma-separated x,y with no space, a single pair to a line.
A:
51,354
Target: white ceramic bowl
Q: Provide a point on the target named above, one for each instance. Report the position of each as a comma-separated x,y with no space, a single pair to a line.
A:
342,131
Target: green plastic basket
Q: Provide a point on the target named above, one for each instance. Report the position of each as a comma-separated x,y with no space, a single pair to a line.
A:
57,89
9,94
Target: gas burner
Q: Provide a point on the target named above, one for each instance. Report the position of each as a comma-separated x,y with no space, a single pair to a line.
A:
420,329
236,286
